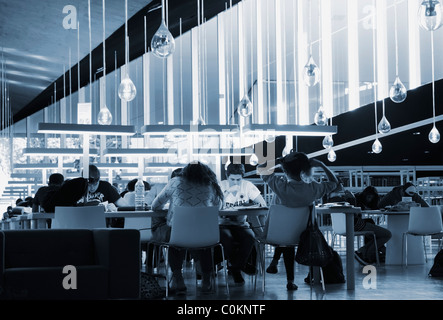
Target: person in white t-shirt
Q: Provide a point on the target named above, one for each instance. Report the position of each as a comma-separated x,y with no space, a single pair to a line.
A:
237,230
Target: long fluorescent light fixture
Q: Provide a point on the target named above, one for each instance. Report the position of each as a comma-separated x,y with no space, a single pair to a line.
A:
56,152
92,129
35,166
181,129
224,152
290,130
115,165
139,152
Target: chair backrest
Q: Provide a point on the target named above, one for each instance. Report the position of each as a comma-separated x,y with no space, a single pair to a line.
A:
88,217
194,227
338,223
425,220
143,224
285,225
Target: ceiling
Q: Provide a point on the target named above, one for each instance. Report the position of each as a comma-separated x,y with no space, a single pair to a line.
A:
36,50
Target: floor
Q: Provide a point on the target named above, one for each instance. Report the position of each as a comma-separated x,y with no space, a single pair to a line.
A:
388,283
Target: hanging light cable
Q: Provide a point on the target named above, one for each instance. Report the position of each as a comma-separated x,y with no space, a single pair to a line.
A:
320,118
311,72
376,146
398,91
434,134
163,43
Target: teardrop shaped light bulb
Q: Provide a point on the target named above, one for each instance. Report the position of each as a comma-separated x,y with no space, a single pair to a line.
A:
434,135
398,91
104,116
127,90
384,126
244,107
328,142
270,138
331,155
376,146
320,118
430,15
163,43
253,160
286,151
311,73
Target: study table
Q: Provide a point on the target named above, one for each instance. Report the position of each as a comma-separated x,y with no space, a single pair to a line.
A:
350,212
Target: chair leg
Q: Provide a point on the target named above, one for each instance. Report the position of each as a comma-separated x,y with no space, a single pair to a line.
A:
322,279
402,247
333,240
165,252
424,247
376,251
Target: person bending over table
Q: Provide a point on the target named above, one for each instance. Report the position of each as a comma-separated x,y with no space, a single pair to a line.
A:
296,188
195,186
394,196
236,235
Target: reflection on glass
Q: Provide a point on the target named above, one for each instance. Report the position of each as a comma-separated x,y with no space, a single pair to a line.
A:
163,43
430,14
311,73
384,126
253,160
376,146
127,90
244,107
270,138
331,155
104,116
328,142
398,91
434,135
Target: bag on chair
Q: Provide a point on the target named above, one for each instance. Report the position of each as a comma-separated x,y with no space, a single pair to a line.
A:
437,267
313,250
333,271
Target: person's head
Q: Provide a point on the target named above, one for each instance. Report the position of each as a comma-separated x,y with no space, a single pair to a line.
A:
56,179
9,209
176,172
297,166
235,173
409,189
131,185
199,173
94,178
369,196
18,201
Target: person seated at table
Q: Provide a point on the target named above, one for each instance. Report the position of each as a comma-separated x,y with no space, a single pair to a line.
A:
367,199
100,191
55,182
195,186
296,188
7,214
395,196
236,234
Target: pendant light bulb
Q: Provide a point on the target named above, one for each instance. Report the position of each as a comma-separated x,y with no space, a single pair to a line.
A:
331,155
270,138
320,118
376,146
287,150
104,116
328,142
163,43
244,107
398,91
311,73
430,15
434,135
127,90
384,126
253,160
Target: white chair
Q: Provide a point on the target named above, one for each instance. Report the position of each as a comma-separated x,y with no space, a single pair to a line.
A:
339,228
423,221
87,217
194,228
283,229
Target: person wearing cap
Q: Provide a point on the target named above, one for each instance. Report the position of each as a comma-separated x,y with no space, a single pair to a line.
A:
397,193
54,184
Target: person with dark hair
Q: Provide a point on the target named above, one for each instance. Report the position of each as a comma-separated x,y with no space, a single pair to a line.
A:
236,235
129,195
54,184
296,188
8,213
395,196
195,186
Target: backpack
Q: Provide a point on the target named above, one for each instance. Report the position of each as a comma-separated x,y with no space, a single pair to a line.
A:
333,271
437,267
150,289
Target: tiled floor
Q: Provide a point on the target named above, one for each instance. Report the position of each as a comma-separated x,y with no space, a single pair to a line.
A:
391,283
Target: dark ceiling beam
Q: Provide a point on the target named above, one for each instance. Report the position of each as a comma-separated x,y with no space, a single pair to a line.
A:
184,9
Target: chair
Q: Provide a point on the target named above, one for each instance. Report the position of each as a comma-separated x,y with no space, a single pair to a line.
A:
283,229
194,228
339,228
423,221
87,217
